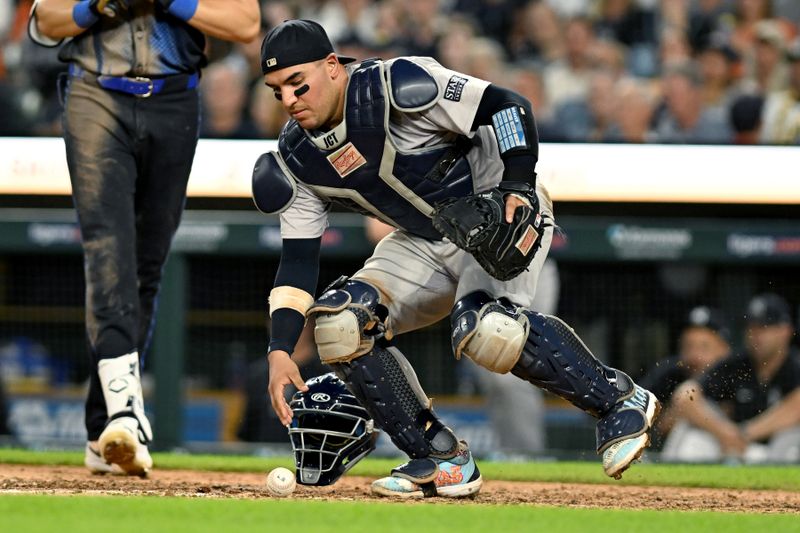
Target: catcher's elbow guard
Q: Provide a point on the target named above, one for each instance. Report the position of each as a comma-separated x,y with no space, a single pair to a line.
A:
488,332
274,188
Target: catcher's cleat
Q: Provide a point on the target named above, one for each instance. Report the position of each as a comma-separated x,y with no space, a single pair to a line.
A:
95,463
457,477
120,446
619,456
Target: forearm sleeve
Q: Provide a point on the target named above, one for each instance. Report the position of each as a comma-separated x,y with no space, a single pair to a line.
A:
292,295
511,116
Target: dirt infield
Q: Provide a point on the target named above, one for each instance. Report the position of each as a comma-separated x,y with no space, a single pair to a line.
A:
74,480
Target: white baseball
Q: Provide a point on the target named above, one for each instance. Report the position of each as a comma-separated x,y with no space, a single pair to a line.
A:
281,482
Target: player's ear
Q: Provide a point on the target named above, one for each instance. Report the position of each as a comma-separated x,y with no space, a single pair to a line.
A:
332,66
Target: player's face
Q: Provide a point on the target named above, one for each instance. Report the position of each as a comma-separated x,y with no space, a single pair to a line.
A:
765,342
309,92
701,348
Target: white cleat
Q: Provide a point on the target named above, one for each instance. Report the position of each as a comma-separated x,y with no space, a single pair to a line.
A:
120,446
96,465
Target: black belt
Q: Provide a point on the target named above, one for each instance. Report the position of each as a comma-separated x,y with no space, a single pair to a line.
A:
140,87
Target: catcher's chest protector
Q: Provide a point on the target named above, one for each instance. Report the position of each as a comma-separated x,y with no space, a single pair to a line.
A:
357,164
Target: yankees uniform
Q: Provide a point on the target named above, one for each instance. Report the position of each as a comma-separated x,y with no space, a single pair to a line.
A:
420,277
400,136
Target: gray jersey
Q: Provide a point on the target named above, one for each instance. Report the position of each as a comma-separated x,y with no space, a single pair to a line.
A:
140,41
451,116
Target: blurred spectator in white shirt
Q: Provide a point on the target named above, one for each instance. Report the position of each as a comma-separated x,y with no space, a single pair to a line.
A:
568,79
781,118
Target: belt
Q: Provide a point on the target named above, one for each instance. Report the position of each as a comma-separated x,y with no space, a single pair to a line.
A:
141,87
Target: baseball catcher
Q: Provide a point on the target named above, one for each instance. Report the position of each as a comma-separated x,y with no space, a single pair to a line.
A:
449,160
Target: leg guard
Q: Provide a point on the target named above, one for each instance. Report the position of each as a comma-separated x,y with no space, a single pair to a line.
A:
538,348
387,386
556,359
352,337
122,390
543,350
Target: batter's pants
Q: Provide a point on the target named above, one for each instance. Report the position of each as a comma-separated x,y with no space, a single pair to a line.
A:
129,160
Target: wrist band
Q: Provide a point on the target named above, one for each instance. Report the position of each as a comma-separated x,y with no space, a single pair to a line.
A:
183,9
82,15
288,297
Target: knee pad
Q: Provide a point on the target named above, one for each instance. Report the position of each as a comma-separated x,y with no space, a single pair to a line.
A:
386,385
490,332
556,359
345,312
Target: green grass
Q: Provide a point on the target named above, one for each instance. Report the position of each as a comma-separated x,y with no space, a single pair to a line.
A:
712,476
30,514
122,514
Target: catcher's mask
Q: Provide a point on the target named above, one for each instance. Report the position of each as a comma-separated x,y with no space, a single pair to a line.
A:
330,431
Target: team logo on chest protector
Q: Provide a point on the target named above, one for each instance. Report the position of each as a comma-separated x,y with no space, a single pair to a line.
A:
346,159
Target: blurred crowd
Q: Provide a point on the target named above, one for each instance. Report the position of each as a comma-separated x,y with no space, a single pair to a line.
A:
663,71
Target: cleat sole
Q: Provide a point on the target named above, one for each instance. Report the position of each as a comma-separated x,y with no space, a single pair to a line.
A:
119,447
467,490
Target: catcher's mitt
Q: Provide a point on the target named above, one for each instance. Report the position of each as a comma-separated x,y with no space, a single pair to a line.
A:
477,224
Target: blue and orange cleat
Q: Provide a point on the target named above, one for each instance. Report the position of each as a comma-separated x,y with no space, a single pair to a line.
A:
456,477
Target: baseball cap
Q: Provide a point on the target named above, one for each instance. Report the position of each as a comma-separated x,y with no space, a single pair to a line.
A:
707,317
768,309
294,42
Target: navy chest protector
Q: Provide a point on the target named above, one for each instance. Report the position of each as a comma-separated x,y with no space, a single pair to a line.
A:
366,172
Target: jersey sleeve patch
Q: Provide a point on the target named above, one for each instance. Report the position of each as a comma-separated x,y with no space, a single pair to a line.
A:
509,129
455,86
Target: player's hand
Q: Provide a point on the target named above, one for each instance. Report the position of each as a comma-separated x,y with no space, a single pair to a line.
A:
108,8
732,441
513,201
283,371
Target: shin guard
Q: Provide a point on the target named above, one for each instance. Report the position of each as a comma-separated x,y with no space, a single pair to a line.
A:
556,359
387,387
